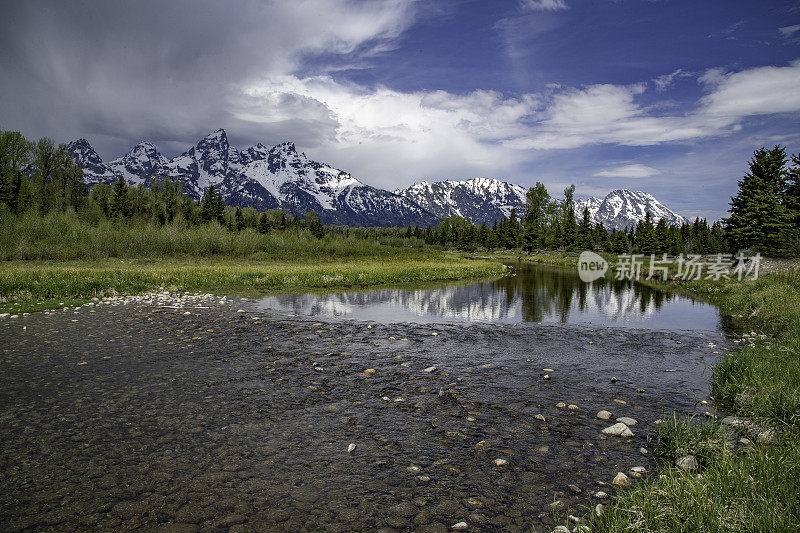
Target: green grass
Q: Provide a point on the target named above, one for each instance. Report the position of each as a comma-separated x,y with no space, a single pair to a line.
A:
753,491
66,236
34,285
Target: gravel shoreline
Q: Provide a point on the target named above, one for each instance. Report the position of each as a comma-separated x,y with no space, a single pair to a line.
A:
195,413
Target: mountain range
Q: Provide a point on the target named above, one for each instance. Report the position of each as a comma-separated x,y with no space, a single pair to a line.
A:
281,177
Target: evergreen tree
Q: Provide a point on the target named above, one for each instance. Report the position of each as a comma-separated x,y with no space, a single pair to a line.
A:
568,224
645,240
239,219
314,225
120,203
758,218
585,231
263,223
662,237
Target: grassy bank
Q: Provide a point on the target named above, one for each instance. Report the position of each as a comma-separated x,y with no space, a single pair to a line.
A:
67,236
34,285
752,491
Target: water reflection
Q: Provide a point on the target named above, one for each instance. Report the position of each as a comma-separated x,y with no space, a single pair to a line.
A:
532,294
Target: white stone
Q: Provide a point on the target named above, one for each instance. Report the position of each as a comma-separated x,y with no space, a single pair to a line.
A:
561,405
619,429
539,417
573,407
430,369
500,462
600,495
687,462
461,526
603,415
351,448
627,420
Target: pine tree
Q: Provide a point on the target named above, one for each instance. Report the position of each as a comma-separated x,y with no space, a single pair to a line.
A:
263,223
314,225
120,203
239,219
645,240
569,227
758,218
585,231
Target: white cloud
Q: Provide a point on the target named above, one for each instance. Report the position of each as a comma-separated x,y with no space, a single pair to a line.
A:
628,171
543,5
788,31
757,91
663,82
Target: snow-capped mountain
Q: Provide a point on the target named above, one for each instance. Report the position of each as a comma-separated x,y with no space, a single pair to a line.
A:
479,199
622,208
282,177
259,177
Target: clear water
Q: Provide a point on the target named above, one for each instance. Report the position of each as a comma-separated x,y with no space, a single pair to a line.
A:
532,293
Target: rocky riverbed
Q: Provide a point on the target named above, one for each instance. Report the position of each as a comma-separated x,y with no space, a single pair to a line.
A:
197,413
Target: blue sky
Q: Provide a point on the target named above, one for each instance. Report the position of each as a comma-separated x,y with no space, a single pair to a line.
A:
669,96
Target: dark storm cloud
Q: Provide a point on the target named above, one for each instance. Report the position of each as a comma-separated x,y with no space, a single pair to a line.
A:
118,72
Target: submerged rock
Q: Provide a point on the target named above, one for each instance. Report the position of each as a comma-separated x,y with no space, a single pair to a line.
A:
619,429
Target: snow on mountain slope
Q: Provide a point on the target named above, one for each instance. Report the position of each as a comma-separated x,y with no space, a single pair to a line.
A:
259,177
282,177
142,164
622,208
479,199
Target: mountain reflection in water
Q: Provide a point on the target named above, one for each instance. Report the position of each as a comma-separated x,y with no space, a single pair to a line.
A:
532,294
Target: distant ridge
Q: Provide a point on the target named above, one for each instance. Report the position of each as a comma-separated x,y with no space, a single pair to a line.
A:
282,177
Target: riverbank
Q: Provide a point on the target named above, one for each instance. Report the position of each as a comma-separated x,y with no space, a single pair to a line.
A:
27,286
760,382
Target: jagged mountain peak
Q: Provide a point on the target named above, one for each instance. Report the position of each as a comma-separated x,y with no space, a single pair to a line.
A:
622,208
479,199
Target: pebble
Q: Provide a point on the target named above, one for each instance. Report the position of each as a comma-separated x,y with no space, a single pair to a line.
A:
599,508
351,448
643,451
500,462
600,495
627,420
539,417
573,518
621,480
744,441
687,462
613,380
574,488
548,370
603,415
561,405
424,479
560,529
474,502
430,369
546,376
573,407
461,526
619,429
